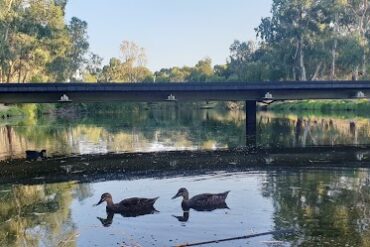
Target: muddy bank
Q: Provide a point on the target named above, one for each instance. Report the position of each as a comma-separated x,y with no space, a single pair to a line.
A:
178,163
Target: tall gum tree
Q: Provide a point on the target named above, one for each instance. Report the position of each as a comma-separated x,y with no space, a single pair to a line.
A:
294,25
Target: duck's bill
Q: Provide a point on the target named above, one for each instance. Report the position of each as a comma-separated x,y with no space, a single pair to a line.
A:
98,203
175,196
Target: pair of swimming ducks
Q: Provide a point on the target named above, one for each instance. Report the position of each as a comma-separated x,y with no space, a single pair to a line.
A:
135,205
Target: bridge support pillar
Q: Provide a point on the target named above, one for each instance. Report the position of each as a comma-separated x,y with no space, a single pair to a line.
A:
251,123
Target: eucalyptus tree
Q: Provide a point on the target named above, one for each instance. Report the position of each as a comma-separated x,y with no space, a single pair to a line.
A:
294,28
79,46
36,44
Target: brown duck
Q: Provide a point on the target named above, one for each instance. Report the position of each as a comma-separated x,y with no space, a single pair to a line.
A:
202,202
131,206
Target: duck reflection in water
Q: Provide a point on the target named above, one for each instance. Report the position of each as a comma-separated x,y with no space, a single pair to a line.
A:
130,207
182,218
201,202
132,213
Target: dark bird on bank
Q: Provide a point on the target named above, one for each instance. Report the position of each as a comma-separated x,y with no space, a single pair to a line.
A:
202,202
34,155
129,207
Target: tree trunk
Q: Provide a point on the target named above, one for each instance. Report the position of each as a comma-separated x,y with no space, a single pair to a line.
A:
363,72
317,70
20,71
303,76
25,76
334,49
355,74
9,75
333,61
363,28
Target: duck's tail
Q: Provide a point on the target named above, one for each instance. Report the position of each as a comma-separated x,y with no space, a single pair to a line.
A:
152,200
226,193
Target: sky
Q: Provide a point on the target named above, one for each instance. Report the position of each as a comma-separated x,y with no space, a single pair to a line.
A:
172,32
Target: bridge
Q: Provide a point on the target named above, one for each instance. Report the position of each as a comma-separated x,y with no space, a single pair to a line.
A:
152,92
250,92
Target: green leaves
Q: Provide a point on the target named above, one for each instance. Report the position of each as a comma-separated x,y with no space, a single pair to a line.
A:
36,44
307,40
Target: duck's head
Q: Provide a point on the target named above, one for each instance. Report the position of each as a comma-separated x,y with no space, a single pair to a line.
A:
182,192
104,197
42,153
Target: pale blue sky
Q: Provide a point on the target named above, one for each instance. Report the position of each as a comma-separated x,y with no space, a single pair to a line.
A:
173,32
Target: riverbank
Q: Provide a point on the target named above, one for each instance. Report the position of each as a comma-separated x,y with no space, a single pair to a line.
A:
58,109
10,111
361,105
32,110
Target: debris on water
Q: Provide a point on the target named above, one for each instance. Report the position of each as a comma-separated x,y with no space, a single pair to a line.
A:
51,197
77,171
67,168
38,214
272,242
86,163
269,160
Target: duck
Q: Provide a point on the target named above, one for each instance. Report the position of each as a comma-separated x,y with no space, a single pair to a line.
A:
202,202
34,155
130,206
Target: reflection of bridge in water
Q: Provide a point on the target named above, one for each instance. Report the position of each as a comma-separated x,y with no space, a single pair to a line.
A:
143,92
88,168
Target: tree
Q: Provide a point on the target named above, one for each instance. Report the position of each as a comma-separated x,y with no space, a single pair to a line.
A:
293,27
133,58
36,44
93,69
131,68
78,33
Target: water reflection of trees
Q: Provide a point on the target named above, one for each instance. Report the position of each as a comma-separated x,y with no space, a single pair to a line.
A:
175,127
33,215
325,206
172,127
291,130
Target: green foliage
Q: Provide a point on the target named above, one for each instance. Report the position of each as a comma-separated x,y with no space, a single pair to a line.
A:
201,72
323,105
301,40
35,43
306,40
10,111
130,69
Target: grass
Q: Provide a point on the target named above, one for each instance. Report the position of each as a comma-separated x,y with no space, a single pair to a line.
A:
362,105
10,111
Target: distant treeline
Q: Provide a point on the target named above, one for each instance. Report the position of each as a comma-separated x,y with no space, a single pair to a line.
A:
301,40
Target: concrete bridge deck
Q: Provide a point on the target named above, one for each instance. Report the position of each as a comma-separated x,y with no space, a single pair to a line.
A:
150,92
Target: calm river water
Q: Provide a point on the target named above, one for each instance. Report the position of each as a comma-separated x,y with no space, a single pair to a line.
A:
327,206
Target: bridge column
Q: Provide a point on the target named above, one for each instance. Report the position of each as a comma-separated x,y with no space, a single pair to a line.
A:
251,123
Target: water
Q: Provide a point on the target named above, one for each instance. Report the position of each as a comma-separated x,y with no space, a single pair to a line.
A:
176,129
328,208
328,205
